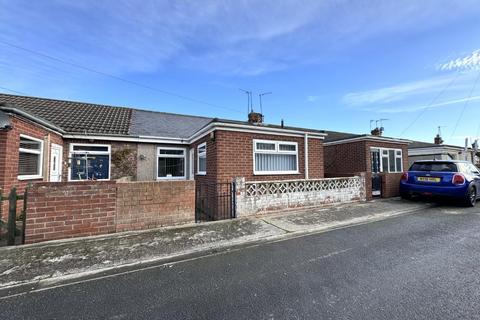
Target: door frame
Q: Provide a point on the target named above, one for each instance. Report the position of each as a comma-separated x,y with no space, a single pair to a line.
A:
56,147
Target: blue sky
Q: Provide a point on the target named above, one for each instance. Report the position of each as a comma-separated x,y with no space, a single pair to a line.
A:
330,64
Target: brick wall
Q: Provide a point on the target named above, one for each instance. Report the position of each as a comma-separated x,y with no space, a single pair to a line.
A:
59,210
65,210
350,158
230,155
144,205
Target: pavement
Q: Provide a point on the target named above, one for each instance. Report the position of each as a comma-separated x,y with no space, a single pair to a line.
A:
410,266
45,264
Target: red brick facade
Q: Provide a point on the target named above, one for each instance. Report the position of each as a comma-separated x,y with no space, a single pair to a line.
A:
230,155
146,205
350,158
59,210
65,210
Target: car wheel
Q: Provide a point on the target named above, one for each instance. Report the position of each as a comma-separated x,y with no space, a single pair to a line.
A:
471,199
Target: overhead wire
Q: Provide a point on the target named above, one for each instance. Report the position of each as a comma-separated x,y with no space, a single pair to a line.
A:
105,74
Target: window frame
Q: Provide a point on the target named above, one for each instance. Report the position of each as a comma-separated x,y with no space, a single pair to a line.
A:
203,155
72,152
184,157
385,153
39,153
276,151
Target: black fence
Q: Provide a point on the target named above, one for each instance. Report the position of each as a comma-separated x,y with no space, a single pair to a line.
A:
215,201
12,225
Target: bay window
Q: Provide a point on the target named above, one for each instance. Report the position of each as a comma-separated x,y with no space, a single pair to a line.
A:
30,158
89,162
171,163
275,157
202,159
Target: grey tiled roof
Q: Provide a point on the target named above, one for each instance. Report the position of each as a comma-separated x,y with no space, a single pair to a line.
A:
337,136
421,144
75,117
4,120
161,124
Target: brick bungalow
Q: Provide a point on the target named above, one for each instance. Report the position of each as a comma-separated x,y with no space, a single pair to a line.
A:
44,140
382,158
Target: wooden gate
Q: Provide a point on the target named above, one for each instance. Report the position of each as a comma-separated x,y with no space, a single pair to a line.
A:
10,231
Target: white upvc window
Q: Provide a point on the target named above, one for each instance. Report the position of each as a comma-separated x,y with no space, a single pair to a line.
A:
171,163
391,160
275,157
89,162
202,159
30,158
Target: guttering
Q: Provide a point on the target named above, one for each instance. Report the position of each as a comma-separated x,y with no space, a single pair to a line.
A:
248,128
33,118
368,138
144,139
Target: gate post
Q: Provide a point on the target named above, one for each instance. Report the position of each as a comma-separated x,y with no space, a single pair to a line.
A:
12,215
24,214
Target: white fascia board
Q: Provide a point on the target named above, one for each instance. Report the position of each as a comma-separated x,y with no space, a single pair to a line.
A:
246,128
143,139
433,150
368,138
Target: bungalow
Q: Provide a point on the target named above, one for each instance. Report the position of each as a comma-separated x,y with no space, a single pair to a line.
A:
55,140
419,150
382,158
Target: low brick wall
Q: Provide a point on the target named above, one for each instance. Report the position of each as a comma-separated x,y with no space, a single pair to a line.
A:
145,205
76,209
66,210
260,197
391,185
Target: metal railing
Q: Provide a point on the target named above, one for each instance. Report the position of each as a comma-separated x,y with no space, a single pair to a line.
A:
11,218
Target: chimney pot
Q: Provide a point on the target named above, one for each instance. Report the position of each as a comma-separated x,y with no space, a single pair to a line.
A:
438,139
255,117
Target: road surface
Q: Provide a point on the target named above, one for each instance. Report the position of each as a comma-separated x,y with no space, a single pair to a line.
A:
419,266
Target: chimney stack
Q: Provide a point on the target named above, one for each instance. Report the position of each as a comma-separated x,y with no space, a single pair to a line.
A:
377,132
255,118
438,139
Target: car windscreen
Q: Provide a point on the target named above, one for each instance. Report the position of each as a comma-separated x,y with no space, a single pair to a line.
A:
434,166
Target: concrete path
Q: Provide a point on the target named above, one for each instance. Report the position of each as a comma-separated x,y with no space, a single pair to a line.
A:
50,262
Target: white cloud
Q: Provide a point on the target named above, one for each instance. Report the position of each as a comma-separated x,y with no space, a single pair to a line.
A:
422,107
395,93
226,37
468,62
312,98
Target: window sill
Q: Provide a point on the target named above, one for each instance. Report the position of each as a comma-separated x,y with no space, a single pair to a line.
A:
201,173
273,173
29,177
171,178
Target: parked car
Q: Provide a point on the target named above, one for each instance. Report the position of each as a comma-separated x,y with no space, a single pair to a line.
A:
454,179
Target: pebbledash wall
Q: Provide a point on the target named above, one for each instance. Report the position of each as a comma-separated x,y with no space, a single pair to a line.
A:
261,197
350,158
62,210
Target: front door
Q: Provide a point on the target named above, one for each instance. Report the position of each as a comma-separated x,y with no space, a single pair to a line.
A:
56,163
376,177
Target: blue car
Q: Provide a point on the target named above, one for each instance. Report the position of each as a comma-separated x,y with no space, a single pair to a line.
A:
453,179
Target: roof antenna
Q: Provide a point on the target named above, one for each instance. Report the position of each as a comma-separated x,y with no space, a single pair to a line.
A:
260,97
249,97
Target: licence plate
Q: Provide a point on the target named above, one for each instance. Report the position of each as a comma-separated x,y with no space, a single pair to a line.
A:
428,179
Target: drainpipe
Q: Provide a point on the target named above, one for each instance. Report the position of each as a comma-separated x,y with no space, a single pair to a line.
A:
306,155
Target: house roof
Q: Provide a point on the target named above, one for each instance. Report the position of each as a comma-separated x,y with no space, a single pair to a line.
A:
75,117
421,144
335,137
4,120
268,125
161,124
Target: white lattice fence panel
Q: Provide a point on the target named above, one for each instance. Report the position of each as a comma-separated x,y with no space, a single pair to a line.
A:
253,189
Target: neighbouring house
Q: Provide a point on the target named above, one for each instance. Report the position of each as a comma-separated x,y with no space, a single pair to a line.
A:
382,158
437,150
47,140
